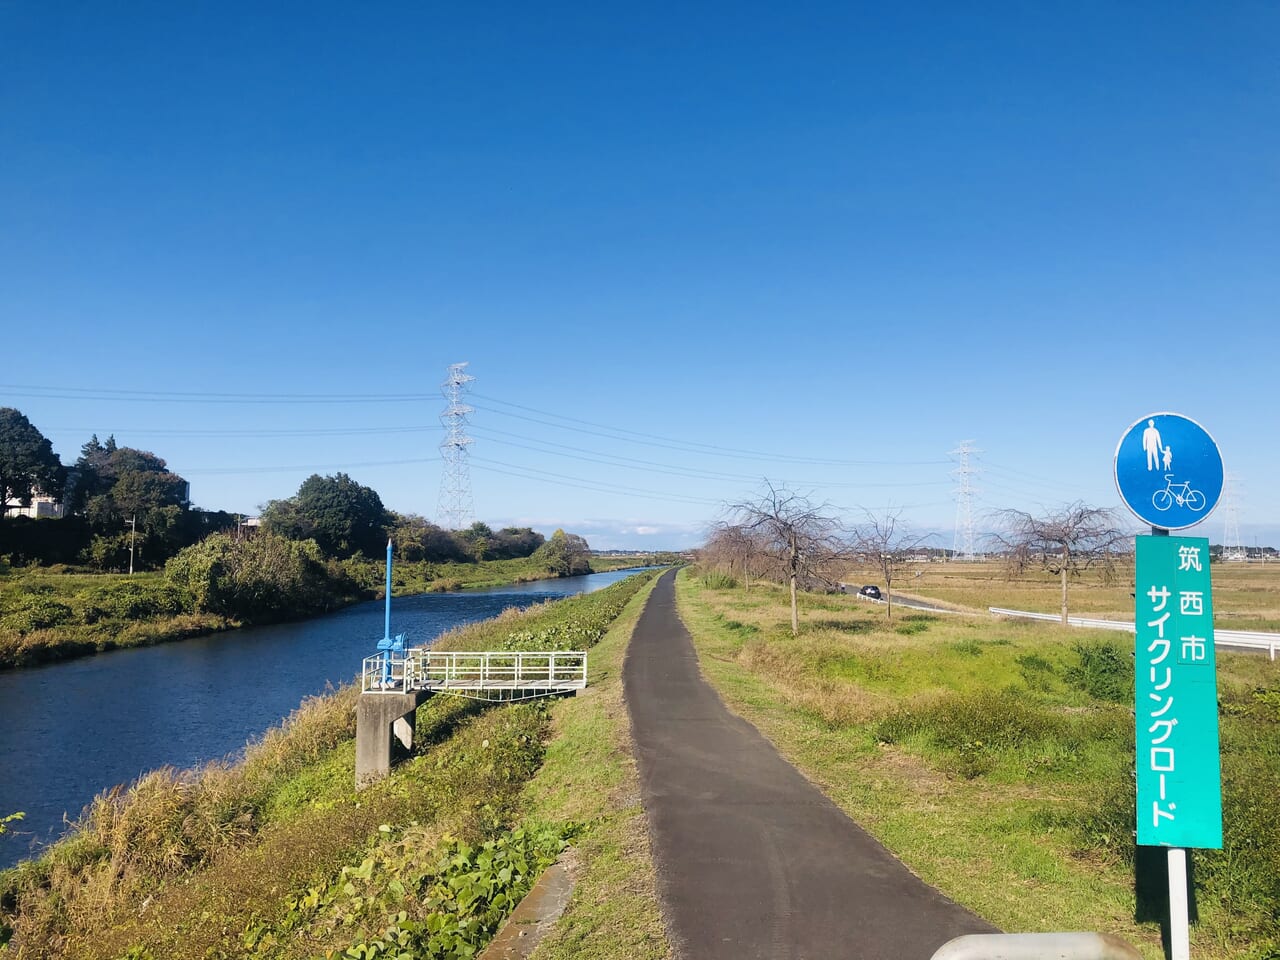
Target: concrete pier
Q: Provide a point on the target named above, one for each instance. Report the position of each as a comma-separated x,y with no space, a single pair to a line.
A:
384,732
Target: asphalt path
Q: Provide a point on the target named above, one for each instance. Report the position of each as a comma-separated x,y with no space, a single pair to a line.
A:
752,860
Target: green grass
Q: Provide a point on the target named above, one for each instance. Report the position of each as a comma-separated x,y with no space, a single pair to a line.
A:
215,863
995,757
589,776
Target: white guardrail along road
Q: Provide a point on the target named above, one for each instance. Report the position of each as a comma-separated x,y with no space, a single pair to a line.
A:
1246,639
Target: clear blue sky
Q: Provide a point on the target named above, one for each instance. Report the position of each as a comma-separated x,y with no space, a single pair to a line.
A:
847,233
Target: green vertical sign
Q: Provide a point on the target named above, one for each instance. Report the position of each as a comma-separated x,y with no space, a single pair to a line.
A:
1176,710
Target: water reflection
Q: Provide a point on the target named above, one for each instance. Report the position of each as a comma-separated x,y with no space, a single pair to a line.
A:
70,730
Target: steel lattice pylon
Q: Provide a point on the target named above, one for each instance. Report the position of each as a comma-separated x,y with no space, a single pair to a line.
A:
963,546
1232,548
456,509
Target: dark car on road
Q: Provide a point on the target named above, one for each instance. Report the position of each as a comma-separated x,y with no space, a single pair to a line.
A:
870,590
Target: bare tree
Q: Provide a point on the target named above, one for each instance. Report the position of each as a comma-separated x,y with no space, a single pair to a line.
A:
884,542
1065,542
732,549
803,539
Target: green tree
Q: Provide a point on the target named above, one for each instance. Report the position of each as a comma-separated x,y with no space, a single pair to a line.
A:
511,542
564,555
115,485
342,516
260,579
418,539
28,464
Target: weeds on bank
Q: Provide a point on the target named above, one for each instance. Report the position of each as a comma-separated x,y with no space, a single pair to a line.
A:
448,903
189,863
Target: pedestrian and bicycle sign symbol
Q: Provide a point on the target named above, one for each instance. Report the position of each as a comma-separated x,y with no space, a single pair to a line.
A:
1168,471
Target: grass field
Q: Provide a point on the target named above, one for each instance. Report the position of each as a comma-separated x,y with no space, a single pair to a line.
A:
1246,596
995,758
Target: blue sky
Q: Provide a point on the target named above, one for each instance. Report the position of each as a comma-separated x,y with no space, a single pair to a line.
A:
682,250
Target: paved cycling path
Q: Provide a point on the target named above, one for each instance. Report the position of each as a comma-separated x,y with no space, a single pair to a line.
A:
752,860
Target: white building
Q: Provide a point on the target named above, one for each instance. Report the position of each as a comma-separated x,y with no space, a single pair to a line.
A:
41,507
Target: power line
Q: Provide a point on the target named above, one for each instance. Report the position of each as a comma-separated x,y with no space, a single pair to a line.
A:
685,446
179,396
232,471
264,433
561,480
584,455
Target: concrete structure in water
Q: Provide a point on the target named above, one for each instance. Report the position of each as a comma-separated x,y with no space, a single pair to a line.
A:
384,732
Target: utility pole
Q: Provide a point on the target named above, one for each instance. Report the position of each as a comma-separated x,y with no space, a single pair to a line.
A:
133,532
456,507
964,473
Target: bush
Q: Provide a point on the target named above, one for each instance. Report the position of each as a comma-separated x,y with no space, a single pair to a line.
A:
37,612
1104,671
718,580
133,600
259,580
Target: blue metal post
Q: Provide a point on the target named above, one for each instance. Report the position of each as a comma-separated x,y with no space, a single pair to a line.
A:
387,632
385,644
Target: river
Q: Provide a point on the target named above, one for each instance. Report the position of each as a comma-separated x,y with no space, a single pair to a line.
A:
70,730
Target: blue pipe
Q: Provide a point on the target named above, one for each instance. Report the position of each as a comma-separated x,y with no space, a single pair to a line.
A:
387,630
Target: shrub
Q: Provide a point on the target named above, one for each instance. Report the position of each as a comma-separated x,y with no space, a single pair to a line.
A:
258,580
718,580
37,612
1104,670
133,600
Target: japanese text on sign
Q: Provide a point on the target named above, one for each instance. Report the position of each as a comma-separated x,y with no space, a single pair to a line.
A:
1176,710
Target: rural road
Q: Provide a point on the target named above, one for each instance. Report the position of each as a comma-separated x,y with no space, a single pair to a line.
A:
752,860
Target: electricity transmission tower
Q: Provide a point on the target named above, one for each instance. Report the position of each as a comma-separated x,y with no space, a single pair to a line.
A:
456,508
1232,549
965,491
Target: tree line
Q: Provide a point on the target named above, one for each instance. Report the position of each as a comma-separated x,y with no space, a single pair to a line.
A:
122,503
783,537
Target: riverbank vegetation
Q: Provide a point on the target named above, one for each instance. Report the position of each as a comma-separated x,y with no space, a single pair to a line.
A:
996,758
277,856
220,584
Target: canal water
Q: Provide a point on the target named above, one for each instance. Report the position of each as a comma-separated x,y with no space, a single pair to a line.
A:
70,730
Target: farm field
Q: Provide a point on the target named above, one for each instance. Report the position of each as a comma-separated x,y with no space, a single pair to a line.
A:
1246,596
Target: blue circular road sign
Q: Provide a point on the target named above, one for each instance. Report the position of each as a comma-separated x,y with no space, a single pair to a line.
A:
1168,471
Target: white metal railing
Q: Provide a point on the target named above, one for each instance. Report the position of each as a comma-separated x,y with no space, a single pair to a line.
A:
491,674
1249,639
1037,946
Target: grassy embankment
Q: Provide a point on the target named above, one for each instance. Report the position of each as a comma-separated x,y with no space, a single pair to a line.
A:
277,857
995,758
46,615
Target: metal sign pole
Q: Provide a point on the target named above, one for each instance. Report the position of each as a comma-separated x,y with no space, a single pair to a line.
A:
1179,913
1179,917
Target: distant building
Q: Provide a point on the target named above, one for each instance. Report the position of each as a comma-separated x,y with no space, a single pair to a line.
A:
41,507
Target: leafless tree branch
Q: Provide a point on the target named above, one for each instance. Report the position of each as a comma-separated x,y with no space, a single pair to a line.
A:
1065,542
